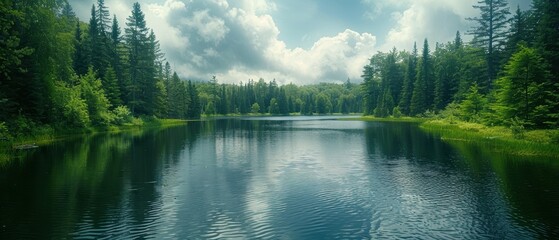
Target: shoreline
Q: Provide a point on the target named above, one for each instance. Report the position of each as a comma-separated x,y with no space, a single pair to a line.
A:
500,139
538,142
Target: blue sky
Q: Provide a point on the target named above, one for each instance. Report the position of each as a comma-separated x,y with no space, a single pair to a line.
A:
299,41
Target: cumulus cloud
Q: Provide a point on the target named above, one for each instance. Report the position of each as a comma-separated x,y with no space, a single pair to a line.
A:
239,40
432,19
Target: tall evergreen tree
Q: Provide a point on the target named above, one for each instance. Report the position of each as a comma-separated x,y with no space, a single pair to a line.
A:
519,32
522,89
103,18
446,72
194,107
423,92
80,60
13,54
141,63
111,88
409,79
118,55
547,45
490,33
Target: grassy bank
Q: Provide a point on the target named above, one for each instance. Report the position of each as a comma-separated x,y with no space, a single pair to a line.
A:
388,119
497,138
41,135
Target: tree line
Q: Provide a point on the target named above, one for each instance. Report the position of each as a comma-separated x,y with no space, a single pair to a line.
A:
507,74
60,71
258,97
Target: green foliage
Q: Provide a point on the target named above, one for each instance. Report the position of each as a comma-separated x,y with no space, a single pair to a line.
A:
473,104
456,79
274,106
255,108
323,104
490,33
69,108
160,99
94,96
423,92
396,112
517,127
4,132
521,91
11,51
122,115
111,88
409,79
210,108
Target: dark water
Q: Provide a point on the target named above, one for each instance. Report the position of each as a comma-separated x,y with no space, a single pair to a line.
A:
276,178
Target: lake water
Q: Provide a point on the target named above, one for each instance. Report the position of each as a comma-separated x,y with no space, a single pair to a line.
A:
277,178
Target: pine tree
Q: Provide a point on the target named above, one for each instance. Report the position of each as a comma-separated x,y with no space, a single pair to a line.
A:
522,90
194,107
80,60
446,67
490,33
473,104
545,23
392,76
160,103
13,54
458,43
519,32
111,88
141,64
409,79
103,18
94,40
118,54
423,92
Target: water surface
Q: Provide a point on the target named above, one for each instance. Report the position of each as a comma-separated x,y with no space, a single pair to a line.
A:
277,177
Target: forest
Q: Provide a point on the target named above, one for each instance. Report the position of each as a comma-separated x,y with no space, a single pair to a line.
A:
59,72
506,75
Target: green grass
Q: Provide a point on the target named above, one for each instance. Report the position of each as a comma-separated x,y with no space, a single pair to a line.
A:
46,135
271,115
498,138
388,119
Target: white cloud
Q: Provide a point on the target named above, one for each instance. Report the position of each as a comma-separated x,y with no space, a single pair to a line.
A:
437,20
210,28
239,40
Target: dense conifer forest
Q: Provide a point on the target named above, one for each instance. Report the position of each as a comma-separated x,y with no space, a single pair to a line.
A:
59,71
506,75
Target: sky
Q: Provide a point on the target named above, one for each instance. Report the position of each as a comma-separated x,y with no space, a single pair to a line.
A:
291,41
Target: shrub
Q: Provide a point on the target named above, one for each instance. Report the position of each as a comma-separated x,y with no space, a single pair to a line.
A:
396,112
4,132
121,115
517,127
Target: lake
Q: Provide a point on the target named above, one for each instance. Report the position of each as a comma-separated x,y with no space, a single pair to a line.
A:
277,178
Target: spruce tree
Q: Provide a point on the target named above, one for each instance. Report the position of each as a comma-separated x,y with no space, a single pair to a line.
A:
141,64
194,107
490,33
409,79
103,18
80,61
423,92
110,85
522,89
